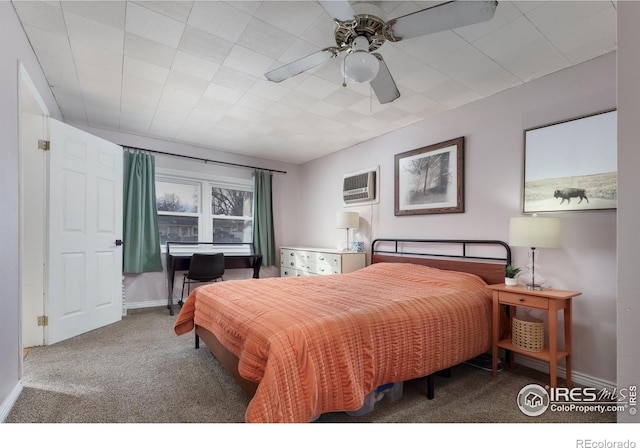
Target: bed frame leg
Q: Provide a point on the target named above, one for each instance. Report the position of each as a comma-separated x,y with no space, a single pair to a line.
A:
430,387
197,341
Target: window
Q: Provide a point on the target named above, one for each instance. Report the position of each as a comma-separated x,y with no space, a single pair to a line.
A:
232,215
181,216
178,210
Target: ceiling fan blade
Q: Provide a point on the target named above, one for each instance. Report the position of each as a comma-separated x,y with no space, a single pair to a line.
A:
301,65
442,17
383,84
338,9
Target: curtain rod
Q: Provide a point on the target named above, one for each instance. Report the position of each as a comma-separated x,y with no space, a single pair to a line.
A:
203,160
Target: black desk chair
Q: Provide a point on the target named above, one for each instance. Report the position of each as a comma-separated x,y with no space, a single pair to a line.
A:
203,268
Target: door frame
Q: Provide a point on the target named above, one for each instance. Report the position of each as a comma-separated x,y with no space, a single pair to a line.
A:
29,100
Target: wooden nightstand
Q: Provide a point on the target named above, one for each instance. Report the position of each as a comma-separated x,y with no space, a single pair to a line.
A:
549,300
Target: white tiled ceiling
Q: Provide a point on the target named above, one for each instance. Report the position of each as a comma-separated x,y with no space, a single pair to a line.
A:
193,71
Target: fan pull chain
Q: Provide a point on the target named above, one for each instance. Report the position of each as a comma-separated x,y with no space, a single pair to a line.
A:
370,99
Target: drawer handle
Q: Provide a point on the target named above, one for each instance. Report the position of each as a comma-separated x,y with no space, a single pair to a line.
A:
292,254
521,299
292,263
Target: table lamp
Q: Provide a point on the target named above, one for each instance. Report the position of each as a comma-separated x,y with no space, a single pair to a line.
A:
534,232
347,220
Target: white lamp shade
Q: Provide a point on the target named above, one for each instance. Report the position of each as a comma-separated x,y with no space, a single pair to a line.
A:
359,67
534,231
347,220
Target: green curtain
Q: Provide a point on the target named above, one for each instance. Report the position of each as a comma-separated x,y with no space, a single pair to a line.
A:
141,248
263,239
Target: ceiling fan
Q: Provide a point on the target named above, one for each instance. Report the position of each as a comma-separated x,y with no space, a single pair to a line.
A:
359,34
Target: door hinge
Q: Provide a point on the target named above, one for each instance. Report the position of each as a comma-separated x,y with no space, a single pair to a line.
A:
43,321
44,145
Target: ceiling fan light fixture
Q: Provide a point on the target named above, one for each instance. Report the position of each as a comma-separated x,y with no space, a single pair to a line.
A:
359,67
361,29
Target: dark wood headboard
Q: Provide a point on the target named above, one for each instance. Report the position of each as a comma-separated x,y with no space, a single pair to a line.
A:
456,255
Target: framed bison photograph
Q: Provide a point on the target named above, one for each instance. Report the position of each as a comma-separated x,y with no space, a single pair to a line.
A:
571,165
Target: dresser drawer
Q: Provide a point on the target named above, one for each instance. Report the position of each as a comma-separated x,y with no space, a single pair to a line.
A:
327,263
305,257
287,261
296,256
323,269
287,253
290,272
512,298
324,258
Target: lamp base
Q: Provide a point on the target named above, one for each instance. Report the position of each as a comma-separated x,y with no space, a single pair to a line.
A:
534,287
531,279
346,249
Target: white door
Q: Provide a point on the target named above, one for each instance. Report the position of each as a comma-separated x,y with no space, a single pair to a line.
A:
84,284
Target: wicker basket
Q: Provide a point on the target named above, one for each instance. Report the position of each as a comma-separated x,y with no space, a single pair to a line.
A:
528,333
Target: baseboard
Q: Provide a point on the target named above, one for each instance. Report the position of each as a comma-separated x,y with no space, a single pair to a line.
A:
7,405
148,304
577,377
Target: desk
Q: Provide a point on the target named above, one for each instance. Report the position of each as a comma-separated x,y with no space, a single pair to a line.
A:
236,256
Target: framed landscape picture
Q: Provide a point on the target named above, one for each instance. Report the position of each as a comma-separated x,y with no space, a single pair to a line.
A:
571,165
430,179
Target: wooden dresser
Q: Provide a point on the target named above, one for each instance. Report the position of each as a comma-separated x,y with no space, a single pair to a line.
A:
298,261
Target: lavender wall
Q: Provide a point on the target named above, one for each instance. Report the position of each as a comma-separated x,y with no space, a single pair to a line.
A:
493,129
15,49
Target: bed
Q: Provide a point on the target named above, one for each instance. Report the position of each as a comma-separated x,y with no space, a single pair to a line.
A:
303,346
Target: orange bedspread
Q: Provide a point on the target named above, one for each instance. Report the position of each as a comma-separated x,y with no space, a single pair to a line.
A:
319,344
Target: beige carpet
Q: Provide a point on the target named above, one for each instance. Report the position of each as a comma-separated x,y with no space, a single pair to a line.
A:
139,371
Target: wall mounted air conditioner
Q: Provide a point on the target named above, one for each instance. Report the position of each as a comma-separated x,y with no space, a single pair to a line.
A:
359,187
